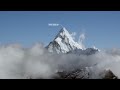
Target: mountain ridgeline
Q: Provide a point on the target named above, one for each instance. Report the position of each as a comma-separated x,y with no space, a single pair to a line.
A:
64,43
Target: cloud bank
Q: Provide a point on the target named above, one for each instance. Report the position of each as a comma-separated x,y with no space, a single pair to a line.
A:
17,62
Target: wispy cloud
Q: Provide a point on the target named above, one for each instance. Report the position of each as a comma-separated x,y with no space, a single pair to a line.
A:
81,39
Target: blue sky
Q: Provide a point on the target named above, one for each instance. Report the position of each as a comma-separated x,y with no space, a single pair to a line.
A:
102,28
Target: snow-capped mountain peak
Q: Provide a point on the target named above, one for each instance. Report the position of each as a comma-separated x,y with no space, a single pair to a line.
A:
63,42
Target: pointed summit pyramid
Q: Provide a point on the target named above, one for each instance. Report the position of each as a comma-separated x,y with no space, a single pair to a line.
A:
63,42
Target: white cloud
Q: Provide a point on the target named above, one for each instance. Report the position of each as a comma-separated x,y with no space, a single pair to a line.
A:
73,35
36,62
81,39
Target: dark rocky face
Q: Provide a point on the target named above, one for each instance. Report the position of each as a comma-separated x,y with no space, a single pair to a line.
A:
109,75
83,74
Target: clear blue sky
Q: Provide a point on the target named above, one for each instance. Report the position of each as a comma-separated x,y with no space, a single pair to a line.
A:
102,28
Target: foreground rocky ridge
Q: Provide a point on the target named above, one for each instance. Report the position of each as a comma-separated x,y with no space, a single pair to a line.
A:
81,74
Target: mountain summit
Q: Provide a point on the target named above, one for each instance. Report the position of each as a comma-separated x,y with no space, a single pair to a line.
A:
63,42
